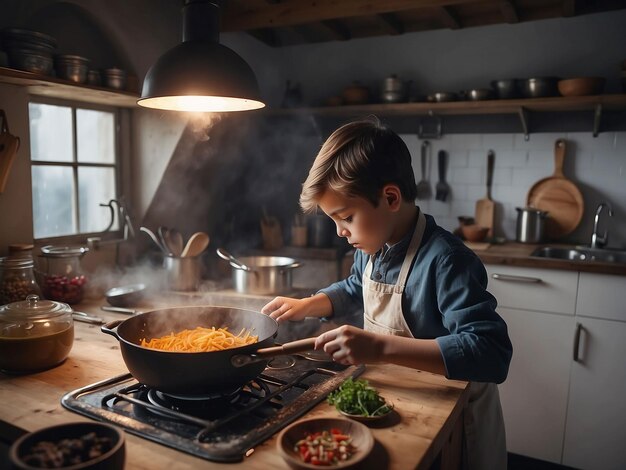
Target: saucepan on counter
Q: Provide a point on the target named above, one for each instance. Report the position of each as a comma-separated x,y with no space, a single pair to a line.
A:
530,225
197,373
263,275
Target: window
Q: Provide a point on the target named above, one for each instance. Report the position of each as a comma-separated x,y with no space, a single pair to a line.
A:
74,168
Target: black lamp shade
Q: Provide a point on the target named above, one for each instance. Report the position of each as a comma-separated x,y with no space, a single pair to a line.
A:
201,76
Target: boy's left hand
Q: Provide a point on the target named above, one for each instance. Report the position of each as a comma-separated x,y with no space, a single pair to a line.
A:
350,345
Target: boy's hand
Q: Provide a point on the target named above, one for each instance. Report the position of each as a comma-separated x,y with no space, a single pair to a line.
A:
286,308
350,345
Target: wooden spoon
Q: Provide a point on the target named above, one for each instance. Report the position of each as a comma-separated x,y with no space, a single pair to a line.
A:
174,241
196,244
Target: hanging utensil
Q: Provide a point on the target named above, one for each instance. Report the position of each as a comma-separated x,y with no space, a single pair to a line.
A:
442,188
423,187
485,207
9,144
558,196
196,244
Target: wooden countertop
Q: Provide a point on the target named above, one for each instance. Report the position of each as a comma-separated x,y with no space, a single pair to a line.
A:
429,407
518,254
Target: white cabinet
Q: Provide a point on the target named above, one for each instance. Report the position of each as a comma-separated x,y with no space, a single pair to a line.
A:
596,414
534,396
543,290
564,400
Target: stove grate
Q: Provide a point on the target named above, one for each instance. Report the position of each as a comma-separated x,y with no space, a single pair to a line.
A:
273,400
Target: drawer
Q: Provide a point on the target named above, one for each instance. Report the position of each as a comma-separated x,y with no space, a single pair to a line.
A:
543,290
602,296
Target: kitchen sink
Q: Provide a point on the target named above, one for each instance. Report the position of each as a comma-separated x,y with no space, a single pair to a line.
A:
581,254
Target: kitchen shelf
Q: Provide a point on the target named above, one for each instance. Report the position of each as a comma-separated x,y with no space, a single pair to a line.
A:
42,85
523,108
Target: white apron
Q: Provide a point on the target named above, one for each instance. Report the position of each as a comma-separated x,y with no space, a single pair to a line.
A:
485,442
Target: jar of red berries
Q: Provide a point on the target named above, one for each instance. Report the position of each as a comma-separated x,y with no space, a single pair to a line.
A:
63,279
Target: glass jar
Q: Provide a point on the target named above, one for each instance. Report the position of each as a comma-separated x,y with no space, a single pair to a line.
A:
35,335
17,279
21,250
62,277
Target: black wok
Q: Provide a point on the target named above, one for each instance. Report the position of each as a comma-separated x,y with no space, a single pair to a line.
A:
202,372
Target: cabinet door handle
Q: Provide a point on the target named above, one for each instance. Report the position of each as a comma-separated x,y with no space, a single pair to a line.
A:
508,277
579,329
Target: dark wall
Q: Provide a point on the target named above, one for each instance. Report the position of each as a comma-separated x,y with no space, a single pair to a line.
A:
226,172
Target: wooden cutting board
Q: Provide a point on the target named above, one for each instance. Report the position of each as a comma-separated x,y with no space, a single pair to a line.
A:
9,144
558,196
485,207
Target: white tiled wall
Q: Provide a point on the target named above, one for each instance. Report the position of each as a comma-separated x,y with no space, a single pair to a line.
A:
596,165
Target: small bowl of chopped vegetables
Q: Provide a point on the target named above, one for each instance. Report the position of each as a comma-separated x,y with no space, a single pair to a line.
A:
71,446
357,399
325,442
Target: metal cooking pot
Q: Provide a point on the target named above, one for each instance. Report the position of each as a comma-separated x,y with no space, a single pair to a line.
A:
201,372
530,225
263,275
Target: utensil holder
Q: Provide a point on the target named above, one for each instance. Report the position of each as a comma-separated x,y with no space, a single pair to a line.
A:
182,274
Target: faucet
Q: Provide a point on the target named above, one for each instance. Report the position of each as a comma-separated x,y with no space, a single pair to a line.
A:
124,219
596,240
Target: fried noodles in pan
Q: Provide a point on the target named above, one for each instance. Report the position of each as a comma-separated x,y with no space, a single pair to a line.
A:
201,339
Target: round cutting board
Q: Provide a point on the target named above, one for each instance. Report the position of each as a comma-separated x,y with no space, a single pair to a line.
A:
558,196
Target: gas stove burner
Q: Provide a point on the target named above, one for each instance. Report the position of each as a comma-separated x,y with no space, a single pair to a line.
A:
281,362
204,397
199,405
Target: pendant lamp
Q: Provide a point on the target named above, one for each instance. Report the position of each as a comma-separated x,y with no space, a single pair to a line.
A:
200,74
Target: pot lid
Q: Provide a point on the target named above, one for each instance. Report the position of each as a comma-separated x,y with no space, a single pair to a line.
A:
63,251
34,308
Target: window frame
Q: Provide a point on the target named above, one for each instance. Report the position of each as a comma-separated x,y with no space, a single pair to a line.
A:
75,165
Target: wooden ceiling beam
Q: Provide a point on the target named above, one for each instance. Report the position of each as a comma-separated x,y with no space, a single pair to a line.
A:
306,11
448,18
391,23
509,12
267,36
337,29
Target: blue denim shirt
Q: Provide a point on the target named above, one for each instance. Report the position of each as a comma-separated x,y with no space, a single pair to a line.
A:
445,298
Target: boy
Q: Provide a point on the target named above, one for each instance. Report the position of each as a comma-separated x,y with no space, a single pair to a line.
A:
422,291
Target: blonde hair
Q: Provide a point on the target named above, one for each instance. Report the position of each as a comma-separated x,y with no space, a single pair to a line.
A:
357,160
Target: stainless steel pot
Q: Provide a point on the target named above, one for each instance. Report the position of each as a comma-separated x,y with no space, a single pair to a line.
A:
264,275
530,225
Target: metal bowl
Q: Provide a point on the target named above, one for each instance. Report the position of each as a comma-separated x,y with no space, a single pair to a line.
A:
507,89
539,87
442,96
478,94
72,67
30,61
115,78
125,296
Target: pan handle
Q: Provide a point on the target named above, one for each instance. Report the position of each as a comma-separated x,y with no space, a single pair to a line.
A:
559,157
292,347
240,360
111,328
293,265
234,262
